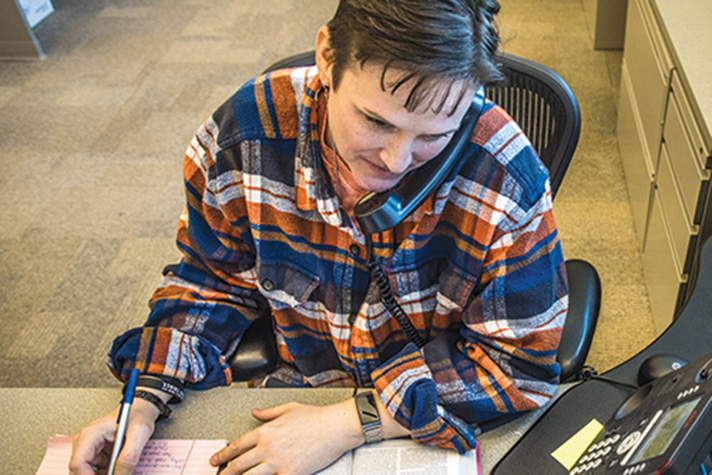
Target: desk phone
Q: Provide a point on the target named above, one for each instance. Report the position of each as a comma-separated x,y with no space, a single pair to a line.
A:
665,427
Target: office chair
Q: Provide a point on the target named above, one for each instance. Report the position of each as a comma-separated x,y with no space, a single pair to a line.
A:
546,109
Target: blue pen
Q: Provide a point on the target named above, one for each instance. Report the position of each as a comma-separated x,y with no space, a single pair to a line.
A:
123,420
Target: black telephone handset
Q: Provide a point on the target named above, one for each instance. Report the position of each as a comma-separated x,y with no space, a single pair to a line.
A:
378,212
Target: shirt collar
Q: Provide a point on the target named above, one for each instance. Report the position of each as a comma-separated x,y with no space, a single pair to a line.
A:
312,184
313,190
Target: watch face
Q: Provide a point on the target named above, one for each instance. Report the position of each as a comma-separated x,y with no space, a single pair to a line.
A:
368,414
368,409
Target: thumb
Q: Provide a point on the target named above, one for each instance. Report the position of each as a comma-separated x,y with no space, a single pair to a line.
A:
269,413
129,455
124,467
138,433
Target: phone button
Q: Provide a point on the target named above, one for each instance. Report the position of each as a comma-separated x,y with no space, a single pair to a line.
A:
628,442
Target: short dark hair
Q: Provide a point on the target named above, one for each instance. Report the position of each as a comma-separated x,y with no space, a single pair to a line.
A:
429,40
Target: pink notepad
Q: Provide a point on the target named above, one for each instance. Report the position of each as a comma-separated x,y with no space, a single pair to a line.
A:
159,457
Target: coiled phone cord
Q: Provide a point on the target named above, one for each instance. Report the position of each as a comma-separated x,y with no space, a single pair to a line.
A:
388,299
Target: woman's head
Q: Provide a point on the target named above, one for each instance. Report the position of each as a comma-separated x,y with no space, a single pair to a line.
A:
434,42
402,74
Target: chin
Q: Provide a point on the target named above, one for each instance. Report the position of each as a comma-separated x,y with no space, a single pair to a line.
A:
378,186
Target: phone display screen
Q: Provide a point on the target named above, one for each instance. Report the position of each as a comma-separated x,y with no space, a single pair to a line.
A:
665,431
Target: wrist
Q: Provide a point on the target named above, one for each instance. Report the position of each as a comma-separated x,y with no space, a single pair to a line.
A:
145,409
164,396
351,423
164,412
391,427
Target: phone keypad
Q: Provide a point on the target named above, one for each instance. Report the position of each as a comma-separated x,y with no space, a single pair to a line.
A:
595,454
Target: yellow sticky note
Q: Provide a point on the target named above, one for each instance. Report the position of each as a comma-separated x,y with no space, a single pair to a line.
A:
570,451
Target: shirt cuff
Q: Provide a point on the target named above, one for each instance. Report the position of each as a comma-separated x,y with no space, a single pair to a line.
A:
169,352
406,387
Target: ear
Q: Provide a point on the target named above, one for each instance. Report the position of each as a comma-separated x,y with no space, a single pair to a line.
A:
324,57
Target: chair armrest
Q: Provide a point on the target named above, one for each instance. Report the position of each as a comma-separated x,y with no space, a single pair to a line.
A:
584,305
256,355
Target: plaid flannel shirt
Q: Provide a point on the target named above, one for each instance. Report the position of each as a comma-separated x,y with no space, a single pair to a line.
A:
478,268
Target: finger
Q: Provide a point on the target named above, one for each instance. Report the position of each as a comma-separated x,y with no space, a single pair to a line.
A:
261,469
234,449
102,460
89,443
250,460
269,413
82,459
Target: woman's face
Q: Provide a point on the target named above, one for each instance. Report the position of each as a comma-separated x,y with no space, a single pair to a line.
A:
379,140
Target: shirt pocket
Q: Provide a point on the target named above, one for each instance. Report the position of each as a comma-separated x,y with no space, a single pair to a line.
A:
455,290
440,283
284,285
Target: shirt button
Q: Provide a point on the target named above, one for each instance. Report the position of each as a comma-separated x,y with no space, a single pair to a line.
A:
355,250
268,285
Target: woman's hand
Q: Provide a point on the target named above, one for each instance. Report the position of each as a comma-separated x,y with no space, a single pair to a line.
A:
92,446
295,438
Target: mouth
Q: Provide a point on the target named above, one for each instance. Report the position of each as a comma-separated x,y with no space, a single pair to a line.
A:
382,172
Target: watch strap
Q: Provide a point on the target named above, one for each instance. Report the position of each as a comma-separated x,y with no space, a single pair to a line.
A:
368,414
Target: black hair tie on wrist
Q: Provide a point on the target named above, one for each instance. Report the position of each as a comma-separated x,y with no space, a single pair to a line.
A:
163,409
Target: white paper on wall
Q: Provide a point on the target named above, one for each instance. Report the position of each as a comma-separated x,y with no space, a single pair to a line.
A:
36,10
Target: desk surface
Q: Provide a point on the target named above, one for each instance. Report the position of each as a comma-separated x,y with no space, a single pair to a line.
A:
30,416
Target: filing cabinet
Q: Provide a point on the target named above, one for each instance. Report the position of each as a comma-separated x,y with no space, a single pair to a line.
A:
665,145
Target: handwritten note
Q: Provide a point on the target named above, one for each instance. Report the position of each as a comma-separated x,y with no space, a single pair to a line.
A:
159,457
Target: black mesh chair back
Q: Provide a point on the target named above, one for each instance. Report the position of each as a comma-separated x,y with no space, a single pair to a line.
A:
537,98
544,107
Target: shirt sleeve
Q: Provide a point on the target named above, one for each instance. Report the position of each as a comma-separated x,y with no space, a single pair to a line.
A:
503,359
207,301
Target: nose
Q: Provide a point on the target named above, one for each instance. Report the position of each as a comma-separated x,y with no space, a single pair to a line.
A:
397,155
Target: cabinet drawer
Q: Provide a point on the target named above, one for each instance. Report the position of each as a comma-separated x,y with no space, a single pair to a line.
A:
635,157
691,124
662,271
687,152
680,229
649,68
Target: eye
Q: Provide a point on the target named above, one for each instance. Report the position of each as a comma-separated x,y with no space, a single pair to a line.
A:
378,123
434,138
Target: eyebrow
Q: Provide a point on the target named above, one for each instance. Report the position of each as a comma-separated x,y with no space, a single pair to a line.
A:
369,113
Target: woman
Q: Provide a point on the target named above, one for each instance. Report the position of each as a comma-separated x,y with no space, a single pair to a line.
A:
271,183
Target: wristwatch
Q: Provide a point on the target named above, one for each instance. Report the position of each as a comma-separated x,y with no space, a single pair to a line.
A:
368,414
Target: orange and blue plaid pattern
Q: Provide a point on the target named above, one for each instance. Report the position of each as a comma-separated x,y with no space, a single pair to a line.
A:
478,268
